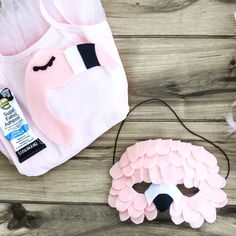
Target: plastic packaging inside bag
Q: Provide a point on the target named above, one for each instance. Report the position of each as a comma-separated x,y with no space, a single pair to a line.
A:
22,24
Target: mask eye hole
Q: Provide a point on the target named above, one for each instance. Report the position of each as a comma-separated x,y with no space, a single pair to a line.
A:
141,187
187,191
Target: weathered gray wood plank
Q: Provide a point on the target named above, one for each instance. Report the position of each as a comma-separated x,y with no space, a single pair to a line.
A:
98,220
171,18
194,75
179,68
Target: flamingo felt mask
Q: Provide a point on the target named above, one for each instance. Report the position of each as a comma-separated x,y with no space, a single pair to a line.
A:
53,69
165,164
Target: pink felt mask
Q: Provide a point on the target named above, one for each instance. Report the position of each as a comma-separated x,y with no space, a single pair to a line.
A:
165,164
53,69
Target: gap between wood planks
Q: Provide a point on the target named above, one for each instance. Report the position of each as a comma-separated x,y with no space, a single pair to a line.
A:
180,36
86,220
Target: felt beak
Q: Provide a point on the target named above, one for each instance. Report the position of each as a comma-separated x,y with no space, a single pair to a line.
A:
85,56
155,190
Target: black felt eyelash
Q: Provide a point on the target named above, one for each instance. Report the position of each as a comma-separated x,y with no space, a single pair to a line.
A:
49,64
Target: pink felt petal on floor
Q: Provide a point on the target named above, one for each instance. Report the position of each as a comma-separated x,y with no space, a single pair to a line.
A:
122,206
132,152
115,171
143,147
138,220
163,160
177,220
163,146
124,215
133,212
210,160
216,180
137,163
201,172
198,223
155,175
185,149
190,215
149,162
114,192
128,171
112,200
127,194
151,148
176,159
140,202
124,160
198,153
175,145
118,184
151,215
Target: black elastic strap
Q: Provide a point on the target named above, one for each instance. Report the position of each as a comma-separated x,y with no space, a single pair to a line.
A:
190,131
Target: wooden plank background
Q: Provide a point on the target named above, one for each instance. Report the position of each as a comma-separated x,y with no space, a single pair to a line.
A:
180,50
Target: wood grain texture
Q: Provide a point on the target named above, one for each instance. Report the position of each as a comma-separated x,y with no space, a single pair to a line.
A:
198,80
182,51
99,220
171,18
179,68
191,73
85,178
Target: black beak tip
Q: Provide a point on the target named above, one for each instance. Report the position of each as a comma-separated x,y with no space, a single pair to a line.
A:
163,202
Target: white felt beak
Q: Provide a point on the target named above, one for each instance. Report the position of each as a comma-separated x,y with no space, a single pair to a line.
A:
75,60
155,189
